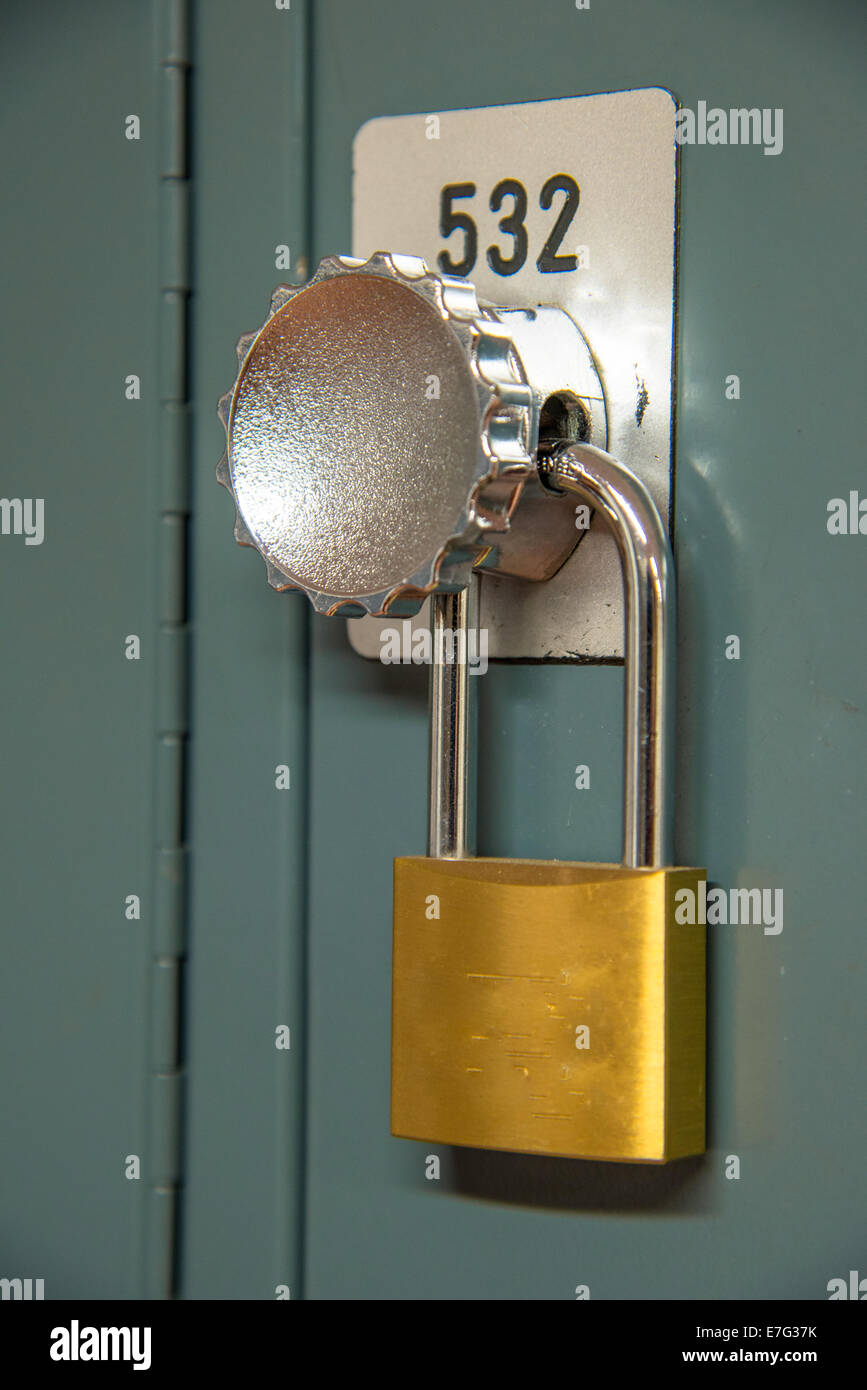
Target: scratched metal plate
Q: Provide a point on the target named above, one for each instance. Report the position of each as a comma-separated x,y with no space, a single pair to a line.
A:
620,150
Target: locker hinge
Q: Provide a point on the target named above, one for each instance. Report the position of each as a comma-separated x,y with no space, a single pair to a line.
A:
168,941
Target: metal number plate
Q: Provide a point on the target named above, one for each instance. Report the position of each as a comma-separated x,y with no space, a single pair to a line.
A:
572,203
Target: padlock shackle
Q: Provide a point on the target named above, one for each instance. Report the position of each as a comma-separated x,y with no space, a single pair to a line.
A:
649,639
451,811
649,601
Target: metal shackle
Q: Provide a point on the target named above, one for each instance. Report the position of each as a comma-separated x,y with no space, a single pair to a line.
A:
649,601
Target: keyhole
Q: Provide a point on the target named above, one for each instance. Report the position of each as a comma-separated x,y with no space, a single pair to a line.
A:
563,419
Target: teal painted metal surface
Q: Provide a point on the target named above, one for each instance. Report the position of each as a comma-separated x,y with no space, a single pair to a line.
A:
290,1177
243,1186
85,1029
770,749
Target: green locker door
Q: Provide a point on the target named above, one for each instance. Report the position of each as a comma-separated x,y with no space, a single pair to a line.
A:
234,1035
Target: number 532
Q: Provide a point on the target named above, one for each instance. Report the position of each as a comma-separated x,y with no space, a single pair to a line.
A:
514,195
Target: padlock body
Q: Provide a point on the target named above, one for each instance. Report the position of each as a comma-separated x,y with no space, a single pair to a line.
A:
547,1007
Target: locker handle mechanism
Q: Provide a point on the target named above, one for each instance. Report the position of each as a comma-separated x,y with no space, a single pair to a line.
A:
383,430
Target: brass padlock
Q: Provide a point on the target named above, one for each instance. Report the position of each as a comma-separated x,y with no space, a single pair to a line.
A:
541,1006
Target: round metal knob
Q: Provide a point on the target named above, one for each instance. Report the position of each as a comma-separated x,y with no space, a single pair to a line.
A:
379,434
